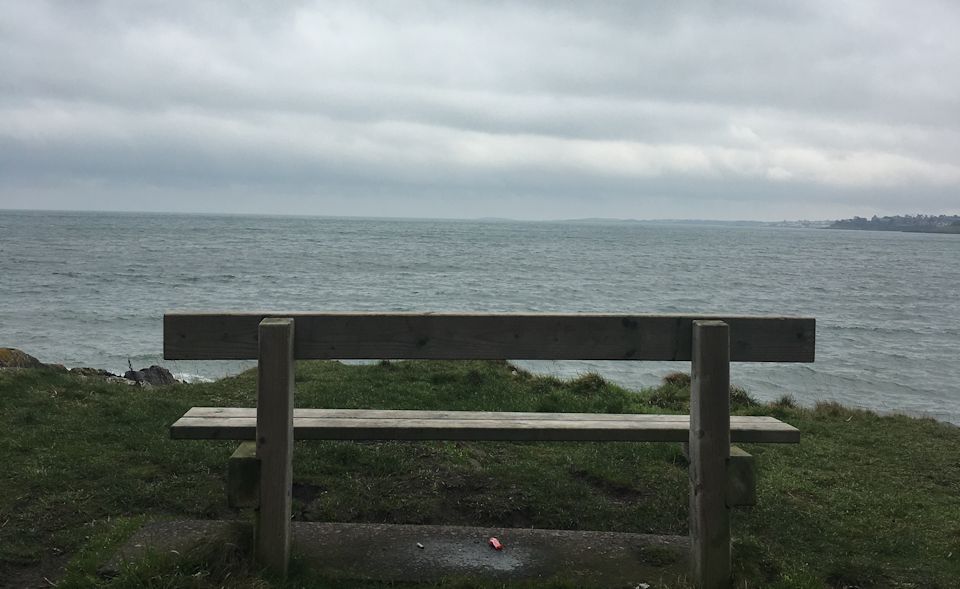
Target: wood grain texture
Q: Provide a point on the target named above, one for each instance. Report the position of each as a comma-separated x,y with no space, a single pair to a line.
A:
433,414
741,478
274,434
233,336
709,450
243,476
219,423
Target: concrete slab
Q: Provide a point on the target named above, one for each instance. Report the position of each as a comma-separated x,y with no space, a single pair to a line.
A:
391,552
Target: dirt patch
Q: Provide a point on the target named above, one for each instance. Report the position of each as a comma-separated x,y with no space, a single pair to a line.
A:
306,492
619,492
856,575
46,573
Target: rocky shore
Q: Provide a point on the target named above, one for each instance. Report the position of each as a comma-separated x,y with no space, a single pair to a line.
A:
151,376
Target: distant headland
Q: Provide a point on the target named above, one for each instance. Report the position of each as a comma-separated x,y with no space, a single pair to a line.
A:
910,223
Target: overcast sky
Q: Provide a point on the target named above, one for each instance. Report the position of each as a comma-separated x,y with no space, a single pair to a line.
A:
528,110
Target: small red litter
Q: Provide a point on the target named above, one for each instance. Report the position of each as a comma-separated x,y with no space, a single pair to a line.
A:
495,544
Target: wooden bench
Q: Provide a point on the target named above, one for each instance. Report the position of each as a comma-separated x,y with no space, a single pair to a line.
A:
720,477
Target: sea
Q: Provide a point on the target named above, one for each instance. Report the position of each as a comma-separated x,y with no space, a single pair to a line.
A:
90,289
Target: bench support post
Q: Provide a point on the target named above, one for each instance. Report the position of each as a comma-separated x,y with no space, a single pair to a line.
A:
243,477
741,478
709,449
275,384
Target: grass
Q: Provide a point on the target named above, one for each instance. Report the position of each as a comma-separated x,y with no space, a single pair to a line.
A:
864,501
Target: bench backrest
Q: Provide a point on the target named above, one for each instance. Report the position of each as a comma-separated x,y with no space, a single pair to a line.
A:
457,336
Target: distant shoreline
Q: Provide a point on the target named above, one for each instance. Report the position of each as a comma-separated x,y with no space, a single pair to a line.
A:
941,231
903,223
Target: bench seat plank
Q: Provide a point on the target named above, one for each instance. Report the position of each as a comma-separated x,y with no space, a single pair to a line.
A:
222,423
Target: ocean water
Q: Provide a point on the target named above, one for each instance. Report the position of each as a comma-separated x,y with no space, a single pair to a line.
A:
90,289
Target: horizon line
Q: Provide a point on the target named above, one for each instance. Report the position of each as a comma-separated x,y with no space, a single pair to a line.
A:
416,218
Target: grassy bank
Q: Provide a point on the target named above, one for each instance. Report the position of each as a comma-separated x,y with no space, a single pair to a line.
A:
863,501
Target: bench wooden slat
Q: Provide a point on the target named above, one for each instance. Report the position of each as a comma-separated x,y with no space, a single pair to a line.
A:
334,424
420,414
447,336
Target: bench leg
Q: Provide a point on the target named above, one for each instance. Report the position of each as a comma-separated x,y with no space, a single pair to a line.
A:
275,384
709,450
741,476
243,477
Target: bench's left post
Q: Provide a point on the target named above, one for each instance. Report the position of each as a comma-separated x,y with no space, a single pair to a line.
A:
275,385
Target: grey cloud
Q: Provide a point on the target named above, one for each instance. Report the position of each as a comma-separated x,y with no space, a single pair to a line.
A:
749,106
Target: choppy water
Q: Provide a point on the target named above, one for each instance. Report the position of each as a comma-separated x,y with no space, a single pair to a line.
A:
90,288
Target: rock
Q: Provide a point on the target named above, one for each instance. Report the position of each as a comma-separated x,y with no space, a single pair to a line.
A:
136,376
14,358
126,381
154,375
97,372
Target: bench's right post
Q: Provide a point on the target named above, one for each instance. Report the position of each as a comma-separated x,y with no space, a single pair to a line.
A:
709,450
275,384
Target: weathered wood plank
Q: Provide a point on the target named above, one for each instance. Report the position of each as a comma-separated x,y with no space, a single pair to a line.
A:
274,434
300,412
354,424
243,476
741,478
226,336
709,449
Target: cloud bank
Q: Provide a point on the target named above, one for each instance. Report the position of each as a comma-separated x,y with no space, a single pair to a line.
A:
526,110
